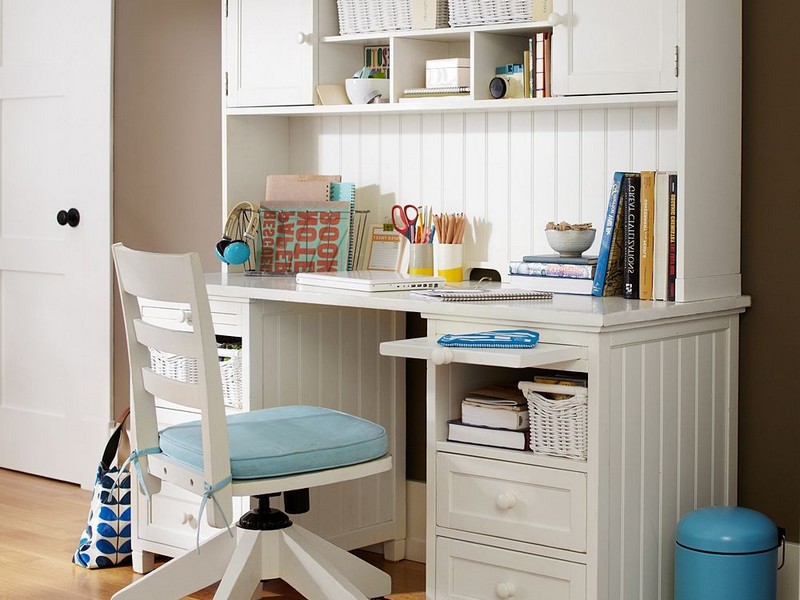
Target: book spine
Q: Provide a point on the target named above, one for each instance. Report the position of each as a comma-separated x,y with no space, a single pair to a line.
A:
647,205
526,74
630,273
672,257
541,269
608,234
531,68
661,236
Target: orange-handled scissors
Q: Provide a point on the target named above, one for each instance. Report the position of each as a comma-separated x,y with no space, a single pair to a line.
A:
405,220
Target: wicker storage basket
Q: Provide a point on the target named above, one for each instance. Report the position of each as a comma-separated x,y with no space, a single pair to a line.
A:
558,426
486,12
361,16
185,369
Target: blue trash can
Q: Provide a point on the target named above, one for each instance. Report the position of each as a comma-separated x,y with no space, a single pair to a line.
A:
726,553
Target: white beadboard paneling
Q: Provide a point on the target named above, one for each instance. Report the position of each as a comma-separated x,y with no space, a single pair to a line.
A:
474,202
509,172
432,163
544,177
520,172
663,437
358,381
498,187
568,167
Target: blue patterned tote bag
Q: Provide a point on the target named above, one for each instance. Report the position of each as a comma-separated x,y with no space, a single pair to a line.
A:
106,541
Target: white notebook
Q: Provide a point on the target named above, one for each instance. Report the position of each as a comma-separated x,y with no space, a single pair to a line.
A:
370,281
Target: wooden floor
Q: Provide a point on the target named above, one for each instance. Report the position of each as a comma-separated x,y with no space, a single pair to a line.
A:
41,521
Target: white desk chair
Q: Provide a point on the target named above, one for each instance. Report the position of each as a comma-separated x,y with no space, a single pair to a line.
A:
261,453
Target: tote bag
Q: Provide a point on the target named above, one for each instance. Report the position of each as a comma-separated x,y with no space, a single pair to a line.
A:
106,541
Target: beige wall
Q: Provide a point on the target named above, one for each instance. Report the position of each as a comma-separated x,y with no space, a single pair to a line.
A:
167,135
168,181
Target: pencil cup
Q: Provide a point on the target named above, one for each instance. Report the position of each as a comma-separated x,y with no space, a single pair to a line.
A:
449,262
420,259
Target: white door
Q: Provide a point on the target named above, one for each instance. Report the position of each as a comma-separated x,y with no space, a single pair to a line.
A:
620,46
55,281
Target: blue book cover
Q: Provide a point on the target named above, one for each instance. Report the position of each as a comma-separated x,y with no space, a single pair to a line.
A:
608,235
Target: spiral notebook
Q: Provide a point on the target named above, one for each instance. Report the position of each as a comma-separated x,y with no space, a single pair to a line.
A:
480,295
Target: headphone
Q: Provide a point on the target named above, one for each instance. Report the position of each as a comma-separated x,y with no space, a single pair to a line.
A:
242,224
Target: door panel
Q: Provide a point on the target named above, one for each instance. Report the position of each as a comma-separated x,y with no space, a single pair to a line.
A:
55,282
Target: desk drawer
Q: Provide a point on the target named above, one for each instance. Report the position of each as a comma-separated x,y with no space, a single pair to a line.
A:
466,571
510,500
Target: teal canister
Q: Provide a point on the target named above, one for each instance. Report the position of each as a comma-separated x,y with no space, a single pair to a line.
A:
726,553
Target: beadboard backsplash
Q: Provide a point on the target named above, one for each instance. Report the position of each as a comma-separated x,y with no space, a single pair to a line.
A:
509,172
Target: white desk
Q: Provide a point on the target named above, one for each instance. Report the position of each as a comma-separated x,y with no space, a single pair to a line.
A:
662,428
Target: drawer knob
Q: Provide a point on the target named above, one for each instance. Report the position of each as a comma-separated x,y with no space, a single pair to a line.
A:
505,590
301,38
188,519
442,356
506,501
555,19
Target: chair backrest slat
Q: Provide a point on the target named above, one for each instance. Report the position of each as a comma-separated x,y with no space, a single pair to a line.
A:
181,343
186,394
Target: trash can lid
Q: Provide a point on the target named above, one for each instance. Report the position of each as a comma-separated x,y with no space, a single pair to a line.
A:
727,530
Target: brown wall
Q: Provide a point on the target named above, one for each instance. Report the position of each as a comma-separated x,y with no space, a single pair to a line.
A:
769,415
168,181
167,135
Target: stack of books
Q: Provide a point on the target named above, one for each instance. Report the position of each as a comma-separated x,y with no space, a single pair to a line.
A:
554,273
495,415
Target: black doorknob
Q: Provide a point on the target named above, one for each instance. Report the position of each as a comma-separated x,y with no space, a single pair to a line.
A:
69,217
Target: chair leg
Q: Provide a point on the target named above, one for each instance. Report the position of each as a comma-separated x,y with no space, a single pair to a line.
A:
185,574
320,570
244,572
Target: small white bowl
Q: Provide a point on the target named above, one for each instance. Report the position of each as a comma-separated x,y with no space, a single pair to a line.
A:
365,90
570,242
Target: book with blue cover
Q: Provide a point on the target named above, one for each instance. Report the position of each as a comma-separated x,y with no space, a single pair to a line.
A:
608,274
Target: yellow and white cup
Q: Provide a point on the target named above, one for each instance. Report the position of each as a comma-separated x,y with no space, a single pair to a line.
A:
449,262
420,259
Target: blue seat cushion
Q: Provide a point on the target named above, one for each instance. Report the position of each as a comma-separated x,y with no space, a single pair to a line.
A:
284,440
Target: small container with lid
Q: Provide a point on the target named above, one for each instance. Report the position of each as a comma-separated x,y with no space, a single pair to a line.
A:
726,553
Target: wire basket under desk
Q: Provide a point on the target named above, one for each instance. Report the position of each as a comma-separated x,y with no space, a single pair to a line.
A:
182,368
558,417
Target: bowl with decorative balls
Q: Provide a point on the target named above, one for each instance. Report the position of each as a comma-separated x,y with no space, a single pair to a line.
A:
570,240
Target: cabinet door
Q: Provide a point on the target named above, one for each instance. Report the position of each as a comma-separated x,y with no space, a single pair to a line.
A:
621,46
270,52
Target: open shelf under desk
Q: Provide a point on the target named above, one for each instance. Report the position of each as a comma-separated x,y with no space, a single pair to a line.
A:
662,99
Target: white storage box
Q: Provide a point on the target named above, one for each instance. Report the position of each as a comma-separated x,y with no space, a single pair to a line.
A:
446,72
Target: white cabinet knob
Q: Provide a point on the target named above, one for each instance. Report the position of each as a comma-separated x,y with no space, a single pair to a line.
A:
555,19
506,501
300,37
442,356
505,590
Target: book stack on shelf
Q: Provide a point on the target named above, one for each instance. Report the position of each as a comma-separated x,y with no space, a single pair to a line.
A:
536,61
495,415
554,273
639,244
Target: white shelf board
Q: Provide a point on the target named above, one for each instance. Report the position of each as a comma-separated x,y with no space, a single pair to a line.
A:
542,355
461,105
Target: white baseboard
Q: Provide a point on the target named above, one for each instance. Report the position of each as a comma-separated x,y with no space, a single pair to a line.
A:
789,575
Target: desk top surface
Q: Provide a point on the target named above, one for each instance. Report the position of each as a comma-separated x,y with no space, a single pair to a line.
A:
562,309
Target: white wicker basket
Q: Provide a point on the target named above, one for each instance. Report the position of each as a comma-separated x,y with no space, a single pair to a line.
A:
185,369
558,426
486,12
361,16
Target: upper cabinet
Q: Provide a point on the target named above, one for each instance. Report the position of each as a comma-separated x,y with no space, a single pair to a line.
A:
273,56
624,46
278,52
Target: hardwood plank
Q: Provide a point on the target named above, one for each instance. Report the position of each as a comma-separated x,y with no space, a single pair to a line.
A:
41,521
